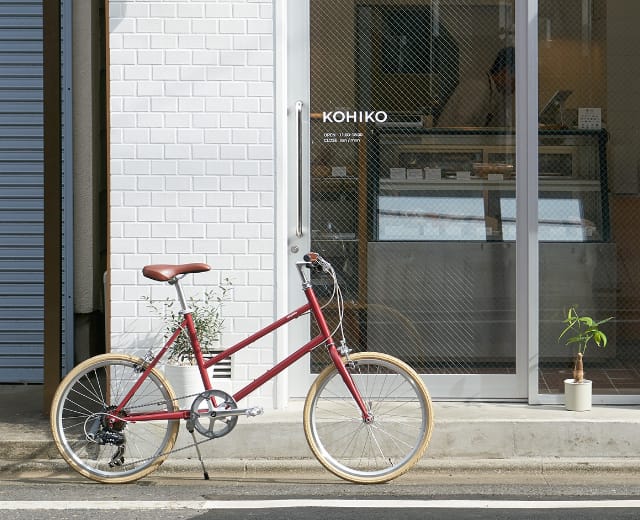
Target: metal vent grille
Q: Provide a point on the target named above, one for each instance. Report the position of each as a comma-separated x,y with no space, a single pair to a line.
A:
221,370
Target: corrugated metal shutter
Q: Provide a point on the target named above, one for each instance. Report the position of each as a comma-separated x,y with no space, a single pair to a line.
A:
21,192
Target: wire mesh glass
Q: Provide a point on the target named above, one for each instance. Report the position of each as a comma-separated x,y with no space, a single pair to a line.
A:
413,180
588,228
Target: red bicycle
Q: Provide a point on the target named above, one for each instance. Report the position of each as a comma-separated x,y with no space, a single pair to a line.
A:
367,417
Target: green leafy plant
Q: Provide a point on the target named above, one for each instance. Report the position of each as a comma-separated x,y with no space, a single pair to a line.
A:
581,331
207,318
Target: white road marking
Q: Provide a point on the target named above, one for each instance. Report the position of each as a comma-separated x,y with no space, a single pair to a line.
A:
35,505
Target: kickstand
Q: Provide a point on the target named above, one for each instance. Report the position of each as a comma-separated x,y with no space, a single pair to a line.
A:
195,442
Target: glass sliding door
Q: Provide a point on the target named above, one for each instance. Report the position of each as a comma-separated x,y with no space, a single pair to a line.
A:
589,191
409,113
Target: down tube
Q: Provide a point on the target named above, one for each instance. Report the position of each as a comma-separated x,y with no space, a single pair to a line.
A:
275,370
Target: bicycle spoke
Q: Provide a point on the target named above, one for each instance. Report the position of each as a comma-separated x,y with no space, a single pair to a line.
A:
100,444
390,441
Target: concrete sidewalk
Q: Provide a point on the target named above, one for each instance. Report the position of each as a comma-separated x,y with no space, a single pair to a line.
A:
466,437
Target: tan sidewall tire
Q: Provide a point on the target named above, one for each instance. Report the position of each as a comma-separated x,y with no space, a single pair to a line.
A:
55,405
317,384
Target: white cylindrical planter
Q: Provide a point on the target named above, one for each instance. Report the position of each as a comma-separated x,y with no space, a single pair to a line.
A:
185,380
577,396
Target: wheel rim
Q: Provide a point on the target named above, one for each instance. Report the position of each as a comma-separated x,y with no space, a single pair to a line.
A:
85,404
395,438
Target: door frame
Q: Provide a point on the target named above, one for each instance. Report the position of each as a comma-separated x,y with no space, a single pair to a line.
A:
291,46
292,86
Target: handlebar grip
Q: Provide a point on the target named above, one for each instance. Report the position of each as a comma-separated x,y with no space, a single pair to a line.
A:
316,263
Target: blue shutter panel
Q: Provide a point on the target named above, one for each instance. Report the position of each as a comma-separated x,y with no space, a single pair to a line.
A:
21,192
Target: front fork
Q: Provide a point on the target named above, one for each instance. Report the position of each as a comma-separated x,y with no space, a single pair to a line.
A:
341,363
336,356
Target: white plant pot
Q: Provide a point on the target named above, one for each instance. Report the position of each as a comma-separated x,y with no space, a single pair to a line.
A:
577,396
186,381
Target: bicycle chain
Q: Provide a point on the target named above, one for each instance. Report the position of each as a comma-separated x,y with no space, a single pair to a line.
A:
163,402
176,450
138,461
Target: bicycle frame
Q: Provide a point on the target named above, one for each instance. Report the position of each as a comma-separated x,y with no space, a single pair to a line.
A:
187,325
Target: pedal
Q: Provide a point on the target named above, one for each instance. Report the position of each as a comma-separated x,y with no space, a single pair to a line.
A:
255,411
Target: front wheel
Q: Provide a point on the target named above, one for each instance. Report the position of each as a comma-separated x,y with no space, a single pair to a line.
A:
383,448
90,440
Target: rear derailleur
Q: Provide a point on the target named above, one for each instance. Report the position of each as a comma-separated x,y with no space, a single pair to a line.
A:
103,430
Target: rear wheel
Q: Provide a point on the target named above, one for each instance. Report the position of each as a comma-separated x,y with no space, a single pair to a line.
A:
375,451
83,427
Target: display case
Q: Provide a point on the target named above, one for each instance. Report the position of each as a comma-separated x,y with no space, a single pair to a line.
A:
445,213
408,210
442,185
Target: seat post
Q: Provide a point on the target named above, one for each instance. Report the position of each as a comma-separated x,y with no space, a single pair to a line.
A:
183,303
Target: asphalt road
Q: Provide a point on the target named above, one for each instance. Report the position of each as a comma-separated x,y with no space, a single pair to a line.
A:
474,495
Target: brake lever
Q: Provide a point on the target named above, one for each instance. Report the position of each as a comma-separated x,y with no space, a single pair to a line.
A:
316,263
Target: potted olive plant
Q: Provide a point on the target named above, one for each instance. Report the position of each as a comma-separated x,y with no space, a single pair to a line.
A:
580,331
180,368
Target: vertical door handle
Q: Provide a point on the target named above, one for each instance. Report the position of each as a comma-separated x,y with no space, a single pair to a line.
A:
299,166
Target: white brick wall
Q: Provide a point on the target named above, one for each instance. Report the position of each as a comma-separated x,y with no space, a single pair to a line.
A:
191,178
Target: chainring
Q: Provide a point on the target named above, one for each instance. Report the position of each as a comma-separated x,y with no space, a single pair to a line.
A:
203,414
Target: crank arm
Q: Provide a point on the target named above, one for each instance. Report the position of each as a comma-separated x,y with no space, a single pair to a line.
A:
250,412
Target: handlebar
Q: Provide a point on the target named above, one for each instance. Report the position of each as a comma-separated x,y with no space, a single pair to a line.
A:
315,262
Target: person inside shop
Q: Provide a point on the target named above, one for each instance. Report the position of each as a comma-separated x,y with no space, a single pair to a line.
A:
487,100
